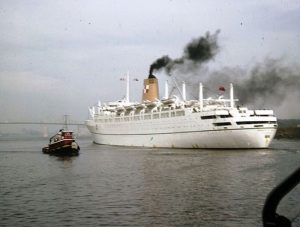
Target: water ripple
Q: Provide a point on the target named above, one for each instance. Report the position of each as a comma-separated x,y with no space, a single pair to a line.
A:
117,186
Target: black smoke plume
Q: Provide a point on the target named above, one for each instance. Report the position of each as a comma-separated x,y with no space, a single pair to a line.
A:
272,84
160,63
196,52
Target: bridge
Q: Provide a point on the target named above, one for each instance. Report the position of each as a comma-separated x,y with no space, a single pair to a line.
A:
45,124
38,123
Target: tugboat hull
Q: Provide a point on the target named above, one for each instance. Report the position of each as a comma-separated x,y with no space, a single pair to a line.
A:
62,151
62,144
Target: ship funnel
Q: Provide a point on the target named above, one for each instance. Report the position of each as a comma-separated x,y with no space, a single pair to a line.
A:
150,91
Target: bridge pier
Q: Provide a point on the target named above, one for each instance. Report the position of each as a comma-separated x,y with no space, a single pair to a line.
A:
45,131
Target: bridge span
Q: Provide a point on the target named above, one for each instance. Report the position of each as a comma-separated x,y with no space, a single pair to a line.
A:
39,123
45,125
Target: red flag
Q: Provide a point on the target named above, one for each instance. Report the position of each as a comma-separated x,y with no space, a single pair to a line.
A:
221,88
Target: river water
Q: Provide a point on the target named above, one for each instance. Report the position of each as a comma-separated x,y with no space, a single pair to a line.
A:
121,186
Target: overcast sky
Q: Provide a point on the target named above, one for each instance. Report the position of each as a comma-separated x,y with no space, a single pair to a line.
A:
59,57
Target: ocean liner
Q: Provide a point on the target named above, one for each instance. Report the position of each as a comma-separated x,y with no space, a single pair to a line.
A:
175,122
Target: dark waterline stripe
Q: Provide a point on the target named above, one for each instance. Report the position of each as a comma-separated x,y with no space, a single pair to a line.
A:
121,134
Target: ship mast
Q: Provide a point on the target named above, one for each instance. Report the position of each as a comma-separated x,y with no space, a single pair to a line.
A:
231,96
166,90
183,91
127,88
66,116
201,95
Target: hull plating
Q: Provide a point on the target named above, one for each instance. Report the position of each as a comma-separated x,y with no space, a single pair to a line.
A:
230,139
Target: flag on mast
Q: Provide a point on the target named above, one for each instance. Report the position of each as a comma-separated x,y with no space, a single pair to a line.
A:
221,88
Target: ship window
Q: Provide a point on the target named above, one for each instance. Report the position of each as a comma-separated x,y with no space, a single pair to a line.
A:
165,115
209,117
255,122
225,116
180,113
222,124
155,116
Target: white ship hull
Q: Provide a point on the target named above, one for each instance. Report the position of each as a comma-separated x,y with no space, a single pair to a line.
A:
229,139
192,134
174,123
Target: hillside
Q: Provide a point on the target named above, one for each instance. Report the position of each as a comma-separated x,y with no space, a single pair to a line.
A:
288,129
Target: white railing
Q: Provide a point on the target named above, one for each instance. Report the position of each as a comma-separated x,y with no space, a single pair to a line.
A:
138,117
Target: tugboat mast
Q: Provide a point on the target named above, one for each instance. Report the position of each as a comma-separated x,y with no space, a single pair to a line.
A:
66,116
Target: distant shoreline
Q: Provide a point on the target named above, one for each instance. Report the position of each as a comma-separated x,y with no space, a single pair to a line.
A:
288,129
288,133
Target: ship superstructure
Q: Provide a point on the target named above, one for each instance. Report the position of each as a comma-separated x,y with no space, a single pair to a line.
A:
179,123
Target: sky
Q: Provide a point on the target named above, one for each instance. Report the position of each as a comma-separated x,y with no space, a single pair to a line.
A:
60,57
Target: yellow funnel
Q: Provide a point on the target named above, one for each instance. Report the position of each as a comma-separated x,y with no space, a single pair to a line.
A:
150,91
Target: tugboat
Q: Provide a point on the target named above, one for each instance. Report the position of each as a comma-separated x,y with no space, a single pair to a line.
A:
62,144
